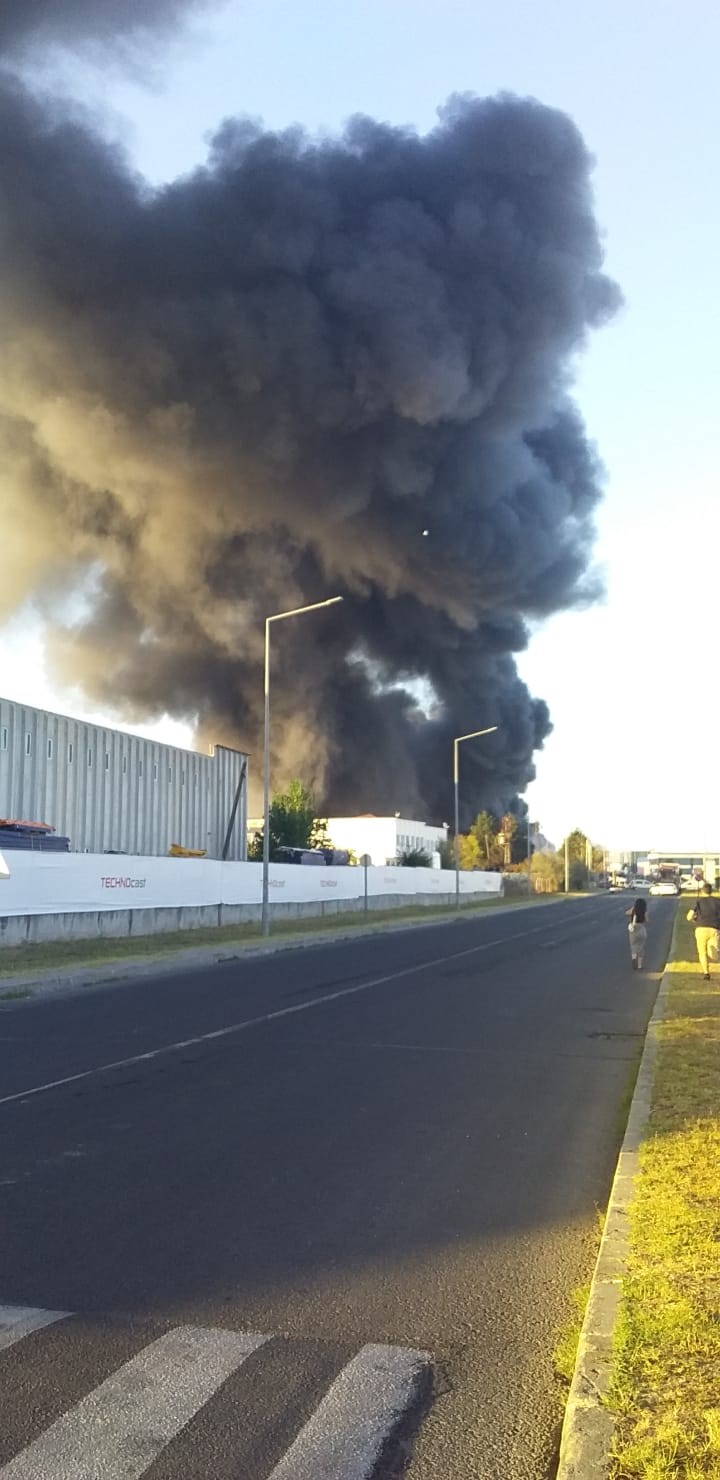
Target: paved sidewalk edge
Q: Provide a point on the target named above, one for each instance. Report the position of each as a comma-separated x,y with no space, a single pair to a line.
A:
588,1425
66,980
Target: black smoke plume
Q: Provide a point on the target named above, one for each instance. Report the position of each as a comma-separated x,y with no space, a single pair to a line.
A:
309,367
29,24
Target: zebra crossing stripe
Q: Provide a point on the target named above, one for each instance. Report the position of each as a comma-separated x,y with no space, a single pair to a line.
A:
121,1427
17,1321
344,1437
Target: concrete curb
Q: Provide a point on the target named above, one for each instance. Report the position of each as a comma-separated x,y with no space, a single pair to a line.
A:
67,980
588,1425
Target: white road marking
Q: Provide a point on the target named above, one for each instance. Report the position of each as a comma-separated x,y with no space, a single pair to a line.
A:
270,1017
346,1433
17,1321
123,1425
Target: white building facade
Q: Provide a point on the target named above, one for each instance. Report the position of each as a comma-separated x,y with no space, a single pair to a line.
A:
109,792
701,862
384,839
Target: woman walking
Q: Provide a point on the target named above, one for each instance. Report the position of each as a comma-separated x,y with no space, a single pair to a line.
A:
637,932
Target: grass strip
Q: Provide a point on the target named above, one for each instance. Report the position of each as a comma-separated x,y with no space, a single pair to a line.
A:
567,1337
17,960
665,1384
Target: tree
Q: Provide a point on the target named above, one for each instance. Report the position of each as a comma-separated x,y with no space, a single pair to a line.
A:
319,836
582,858
292,819
577,846
447,853
255,848
548,872
578,875
469,852
485,829
414,858
292,816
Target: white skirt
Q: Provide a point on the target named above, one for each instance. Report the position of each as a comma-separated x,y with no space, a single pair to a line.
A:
638,938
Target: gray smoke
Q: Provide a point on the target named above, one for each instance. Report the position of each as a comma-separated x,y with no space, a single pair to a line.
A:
34,23
260,385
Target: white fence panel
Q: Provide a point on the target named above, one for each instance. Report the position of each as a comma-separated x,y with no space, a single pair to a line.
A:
390,880
59,883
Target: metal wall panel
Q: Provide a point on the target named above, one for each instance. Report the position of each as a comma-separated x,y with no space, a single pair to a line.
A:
108,791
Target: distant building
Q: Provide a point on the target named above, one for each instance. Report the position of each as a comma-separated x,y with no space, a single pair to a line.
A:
698,862
115,793
648,863
385,838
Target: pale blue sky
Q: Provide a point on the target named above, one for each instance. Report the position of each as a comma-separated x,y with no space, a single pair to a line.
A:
632,685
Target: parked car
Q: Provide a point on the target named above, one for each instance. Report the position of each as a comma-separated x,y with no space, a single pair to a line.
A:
665,886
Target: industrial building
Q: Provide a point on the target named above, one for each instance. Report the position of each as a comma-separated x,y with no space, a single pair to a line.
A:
382,839
110,792
385,838
701,862
649,863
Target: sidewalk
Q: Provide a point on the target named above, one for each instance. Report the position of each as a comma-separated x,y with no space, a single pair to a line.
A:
644,1402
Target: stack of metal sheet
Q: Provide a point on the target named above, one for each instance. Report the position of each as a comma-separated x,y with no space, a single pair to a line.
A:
38,836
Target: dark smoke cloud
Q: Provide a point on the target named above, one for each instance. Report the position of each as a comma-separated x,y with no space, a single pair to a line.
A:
29,23
259,386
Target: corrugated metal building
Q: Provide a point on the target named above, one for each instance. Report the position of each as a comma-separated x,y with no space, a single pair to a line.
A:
112,792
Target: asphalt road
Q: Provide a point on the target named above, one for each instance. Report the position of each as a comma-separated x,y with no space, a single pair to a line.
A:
381,1161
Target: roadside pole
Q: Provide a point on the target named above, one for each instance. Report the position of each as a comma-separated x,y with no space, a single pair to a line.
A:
474,734
365,861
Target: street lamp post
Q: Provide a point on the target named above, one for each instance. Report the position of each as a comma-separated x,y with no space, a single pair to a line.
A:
456,782
297,611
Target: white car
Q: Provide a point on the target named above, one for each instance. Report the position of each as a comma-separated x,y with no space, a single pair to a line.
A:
665,886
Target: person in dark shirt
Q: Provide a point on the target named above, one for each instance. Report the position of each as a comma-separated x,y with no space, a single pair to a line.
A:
705,916
637,932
